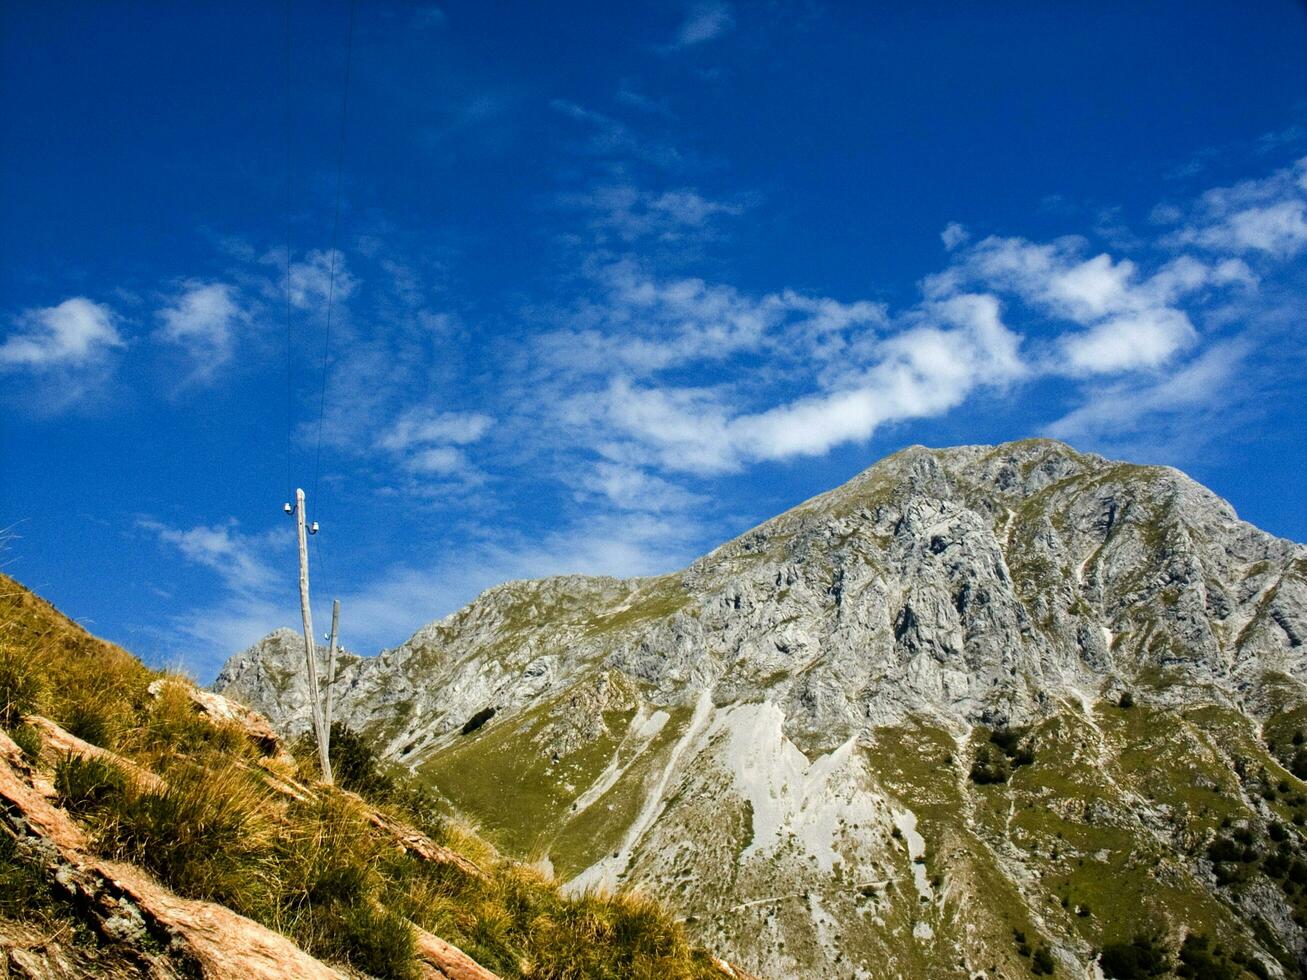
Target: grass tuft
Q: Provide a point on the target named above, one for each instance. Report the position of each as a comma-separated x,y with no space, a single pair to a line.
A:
209,833
85,785
378,941
22,685
28,739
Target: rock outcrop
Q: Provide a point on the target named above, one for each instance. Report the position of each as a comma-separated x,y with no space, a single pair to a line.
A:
780,738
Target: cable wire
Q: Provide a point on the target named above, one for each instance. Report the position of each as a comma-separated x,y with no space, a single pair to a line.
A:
290,397
335,234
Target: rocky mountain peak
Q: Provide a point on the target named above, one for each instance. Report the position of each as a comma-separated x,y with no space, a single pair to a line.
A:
939,594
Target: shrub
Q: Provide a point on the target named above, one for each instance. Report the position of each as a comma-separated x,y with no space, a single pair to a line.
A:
993,767
1142,957
1298,765
1199,962
1276,864
990,767
1006,739
1041,964
1127,699
1225,849
477,720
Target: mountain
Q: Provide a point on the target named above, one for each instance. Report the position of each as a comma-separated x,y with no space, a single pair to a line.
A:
151,829
979,711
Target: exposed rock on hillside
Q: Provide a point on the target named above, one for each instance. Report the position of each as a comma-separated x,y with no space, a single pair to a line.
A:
791,739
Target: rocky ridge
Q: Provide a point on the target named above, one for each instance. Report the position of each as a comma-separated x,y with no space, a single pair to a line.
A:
783,739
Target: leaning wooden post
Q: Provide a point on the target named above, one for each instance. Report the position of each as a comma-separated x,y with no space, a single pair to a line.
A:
331,668
310,650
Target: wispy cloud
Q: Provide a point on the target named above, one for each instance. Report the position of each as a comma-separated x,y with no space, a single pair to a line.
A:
784,375
954,235
431,442
949,348
202,320
320,275
611,139
75,333
245,605
704,22
239,560
1267,215
61,358
389,605
628,213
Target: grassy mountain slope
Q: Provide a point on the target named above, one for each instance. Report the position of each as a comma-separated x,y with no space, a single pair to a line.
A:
215,814
997,710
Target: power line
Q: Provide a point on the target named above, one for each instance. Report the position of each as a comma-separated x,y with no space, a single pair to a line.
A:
335,234
290,398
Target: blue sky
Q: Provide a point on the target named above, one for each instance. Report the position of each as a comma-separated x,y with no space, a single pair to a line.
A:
614,282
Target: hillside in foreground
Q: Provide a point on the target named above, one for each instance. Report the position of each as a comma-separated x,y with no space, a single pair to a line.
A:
148,828
982,711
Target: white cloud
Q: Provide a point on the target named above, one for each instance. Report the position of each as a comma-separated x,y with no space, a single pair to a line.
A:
703,22
203,320
437,460
630,488
1280,229
1051,275
1131,341
920,372
76,333
682,375
953,347
1133,322
311,279
629,213
1114,412
954,235
1267,215
422,426
236,558
428,441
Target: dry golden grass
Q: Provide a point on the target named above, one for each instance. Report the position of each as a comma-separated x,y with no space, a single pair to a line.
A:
318,871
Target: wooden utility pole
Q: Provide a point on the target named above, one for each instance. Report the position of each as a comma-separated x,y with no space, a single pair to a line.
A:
310,650
331,667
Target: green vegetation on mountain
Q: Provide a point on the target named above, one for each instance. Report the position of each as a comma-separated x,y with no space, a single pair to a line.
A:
984,710
202,806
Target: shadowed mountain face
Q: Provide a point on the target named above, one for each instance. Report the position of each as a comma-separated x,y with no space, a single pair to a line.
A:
883,734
